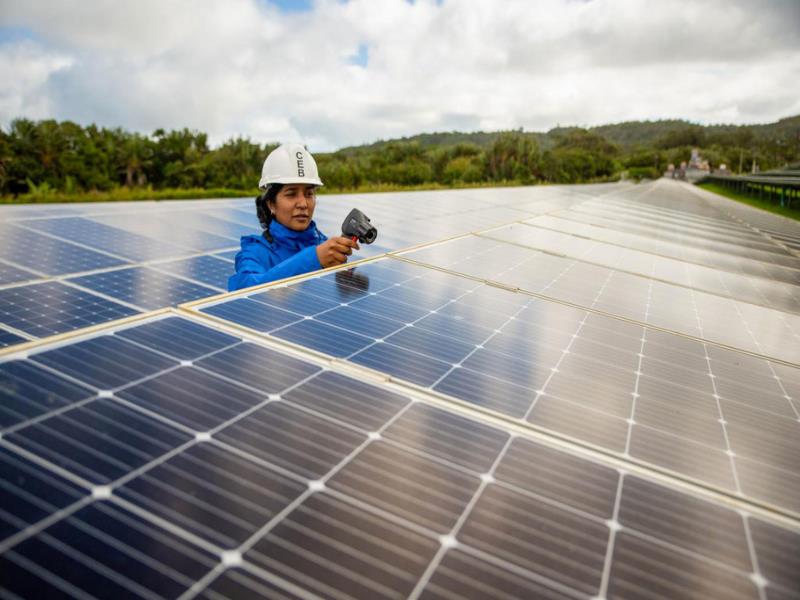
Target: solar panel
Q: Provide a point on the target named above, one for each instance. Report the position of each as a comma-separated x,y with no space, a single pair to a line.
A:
109,239
48,308
756,290
640,393
83,240
29,390
169,228
144,287
208,270
679,309
530,424
52,256
320,483
9,274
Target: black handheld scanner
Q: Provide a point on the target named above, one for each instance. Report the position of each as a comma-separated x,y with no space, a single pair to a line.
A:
357,227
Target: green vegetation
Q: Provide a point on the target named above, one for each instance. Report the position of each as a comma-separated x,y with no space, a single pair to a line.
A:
792,213
50,161
49,195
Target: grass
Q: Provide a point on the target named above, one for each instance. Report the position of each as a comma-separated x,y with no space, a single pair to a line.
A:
124,194
792,213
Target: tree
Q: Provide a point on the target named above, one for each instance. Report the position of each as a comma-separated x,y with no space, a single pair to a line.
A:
513,156
693,135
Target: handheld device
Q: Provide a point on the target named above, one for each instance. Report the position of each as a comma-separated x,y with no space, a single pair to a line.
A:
357,226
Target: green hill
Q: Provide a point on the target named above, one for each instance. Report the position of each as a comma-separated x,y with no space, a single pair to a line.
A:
628,135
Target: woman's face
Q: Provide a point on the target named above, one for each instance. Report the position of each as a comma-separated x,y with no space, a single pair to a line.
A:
294,206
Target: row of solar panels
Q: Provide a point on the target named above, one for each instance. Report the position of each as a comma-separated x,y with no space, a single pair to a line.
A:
167,457
108,261
734,268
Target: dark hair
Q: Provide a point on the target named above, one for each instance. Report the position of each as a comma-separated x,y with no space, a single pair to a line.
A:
262,207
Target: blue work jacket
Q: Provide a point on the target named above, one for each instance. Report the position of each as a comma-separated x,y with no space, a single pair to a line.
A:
290,253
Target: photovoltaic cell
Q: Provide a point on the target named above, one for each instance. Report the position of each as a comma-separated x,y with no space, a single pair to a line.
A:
252,314
347,400
295,300
192,398
208,270
49,308
414,487
237,583
179,338
100,441
109,239
28,391
292,439
324,338
213,493
539,537
49,255
352,552
671,574
105,362
144,287
10,274
10,339
452,438
82,556
359,321
259,368
169,227
559,477
461,575
713,532
412,366
30,493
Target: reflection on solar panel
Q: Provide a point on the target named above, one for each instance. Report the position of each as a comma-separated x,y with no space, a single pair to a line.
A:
102,237
143,287
49,255
209,270
52,307
596,401
9,274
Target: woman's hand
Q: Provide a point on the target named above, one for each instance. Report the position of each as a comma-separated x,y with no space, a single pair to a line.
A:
335,251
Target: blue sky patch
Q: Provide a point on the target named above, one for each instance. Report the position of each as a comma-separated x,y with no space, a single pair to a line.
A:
16,34
361,57
291,6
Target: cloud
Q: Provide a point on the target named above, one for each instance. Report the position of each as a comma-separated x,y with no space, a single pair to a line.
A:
25,69
337,73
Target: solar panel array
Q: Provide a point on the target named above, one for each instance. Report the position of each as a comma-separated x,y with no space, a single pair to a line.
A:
578,392
104,261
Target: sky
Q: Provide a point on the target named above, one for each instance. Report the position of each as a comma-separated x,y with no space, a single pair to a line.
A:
334,73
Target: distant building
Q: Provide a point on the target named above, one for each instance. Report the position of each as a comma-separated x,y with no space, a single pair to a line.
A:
697,168
698,162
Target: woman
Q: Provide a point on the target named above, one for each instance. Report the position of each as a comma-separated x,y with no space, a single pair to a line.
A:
290,244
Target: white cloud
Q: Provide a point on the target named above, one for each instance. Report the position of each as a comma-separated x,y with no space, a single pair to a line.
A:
25,68
244,67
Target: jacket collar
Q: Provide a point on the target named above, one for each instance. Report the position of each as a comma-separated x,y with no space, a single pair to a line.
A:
280,232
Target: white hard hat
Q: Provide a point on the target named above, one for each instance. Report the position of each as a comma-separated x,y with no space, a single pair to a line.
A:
289,163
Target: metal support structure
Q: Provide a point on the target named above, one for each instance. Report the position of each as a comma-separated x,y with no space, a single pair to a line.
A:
773,187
